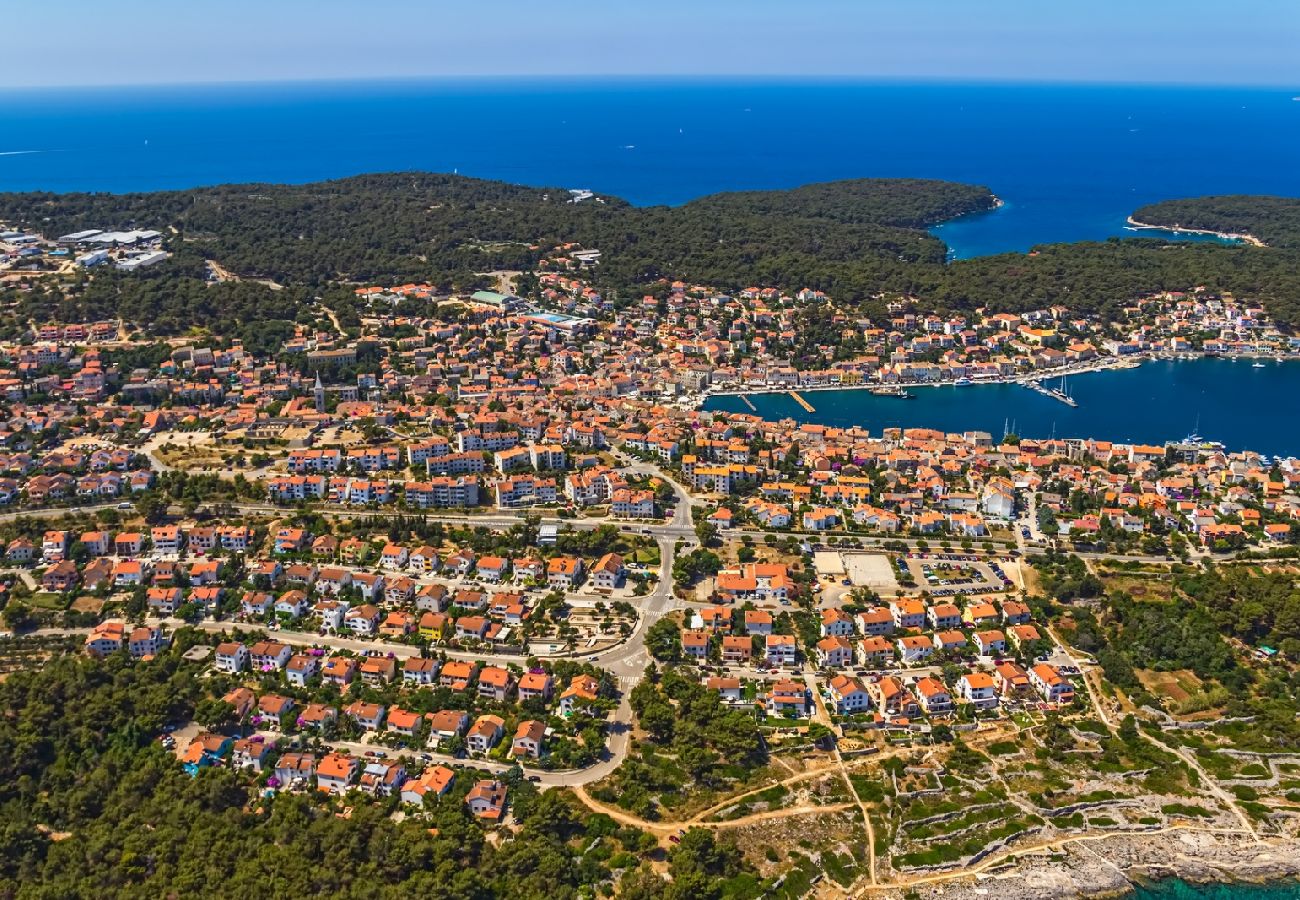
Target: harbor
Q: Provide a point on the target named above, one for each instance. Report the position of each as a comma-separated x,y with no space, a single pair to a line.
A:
1158,401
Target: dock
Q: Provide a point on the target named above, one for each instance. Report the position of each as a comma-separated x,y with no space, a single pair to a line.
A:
745,400
808,407
1054,393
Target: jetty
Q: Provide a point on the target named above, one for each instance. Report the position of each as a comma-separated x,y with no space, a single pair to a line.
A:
808,407
1055,393
745,400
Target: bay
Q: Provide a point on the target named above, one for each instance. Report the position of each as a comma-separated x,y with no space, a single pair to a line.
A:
1227,400
1070,161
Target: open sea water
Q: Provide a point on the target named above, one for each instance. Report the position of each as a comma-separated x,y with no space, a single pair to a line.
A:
1173,889
1070,162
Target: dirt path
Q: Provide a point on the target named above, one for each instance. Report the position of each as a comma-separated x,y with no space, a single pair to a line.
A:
739,798
623,817
664,829
335,320
866,817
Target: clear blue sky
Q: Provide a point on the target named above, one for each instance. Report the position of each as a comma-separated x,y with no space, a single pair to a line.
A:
150,41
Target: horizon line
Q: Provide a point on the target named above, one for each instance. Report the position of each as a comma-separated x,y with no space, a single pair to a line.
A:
685,77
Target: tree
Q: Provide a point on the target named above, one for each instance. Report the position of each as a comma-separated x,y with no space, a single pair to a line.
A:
210,713
664,640
659,720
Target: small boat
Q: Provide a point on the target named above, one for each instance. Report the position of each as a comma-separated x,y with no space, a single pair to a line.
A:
961,381
1258,365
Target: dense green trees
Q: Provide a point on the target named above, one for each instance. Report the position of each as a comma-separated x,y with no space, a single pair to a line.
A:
1274,220
1256,608
664,640
856,240
91,805
681,712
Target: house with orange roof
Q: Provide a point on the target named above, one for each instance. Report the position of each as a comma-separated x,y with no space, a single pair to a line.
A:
788,698
581,694
446,724
934,696
529,739
487,800
892,698
435,781
535,686
419,670
848,695
1050,684
484,733
780,649
979,689
495,683
912,649
457,674
336,773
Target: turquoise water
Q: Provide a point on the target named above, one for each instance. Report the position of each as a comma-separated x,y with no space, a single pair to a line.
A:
1224,400
1174,889
1071,162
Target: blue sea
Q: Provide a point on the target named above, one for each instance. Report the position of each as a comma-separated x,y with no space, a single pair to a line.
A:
1173,889
1070,162
1230,401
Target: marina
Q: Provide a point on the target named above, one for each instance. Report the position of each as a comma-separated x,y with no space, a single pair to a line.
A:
1234,400
1056,393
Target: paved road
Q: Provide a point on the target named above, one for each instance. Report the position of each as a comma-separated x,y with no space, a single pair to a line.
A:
626,661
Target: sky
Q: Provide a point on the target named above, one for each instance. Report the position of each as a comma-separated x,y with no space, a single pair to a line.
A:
1230,42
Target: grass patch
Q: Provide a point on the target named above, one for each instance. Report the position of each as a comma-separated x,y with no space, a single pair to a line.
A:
969,846
869,790
47,600
839,869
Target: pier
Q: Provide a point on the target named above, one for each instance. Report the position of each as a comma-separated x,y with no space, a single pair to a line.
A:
1054,393
808,407
745,400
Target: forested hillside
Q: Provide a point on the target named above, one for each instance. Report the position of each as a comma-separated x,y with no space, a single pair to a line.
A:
407,225
1274,220
92,807
856,240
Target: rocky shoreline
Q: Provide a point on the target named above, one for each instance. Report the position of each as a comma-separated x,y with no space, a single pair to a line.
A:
1180,229
1113,866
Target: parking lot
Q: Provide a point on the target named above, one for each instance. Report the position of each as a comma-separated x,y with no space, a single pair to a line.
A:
948,574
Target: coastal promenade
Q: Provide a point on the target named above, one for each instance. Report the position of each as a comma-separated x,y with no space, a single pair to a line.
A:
1226,399
1101,364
